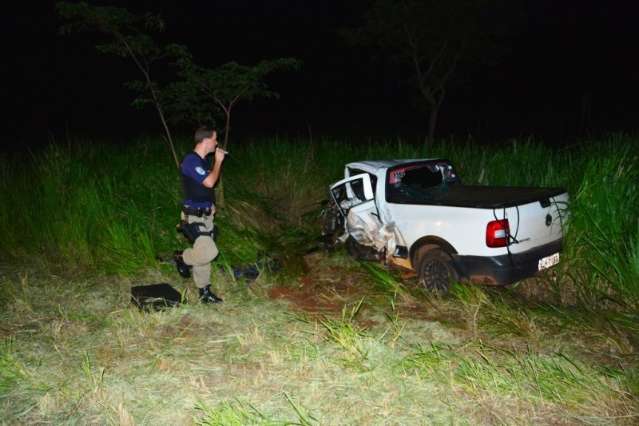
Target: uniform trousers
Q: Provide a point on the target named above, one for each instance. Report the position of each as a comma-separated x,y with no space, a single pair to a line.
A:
202,253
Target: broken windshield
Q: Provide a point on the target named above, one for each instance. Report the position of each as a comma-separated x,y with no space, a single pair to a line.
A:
415,183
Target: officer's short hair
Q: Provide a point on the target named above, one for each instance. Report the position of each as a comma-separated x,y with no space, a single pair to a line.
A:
202,133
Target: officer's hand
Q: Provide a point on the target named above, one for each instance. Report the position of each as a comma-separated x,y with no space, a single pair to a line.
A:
219,155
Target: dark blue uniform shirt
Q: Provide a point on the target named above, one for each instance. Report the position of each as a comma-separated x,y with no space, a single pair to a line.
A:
194,170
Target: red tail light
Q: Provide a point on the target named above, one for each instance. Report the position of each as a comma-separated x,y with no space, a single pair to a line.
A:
497,233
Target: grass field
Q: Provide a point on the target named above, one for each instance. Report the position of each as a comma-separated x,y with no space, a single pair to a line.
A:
337,345
326,340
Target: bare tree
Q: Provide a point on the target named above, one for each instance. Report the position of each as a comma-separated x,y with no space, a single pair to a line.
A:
433,39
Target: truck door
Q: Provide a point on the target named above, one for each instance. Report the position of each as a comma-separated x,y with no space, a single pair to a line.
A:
355,192
355,201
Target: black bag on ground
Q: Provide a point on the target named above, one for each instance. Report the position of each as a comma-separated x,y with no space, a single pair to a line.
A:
155,297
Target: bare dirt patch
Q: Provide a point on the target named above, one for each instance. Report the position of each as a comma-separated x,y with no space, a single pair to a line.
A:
324,287
327,285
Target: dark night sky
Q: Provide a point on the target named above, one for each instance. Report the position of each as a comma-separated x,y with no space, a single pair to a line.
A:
564,55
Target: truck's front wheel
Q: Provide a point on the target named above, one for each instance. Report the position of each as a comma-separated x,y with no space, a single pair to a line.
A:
435,269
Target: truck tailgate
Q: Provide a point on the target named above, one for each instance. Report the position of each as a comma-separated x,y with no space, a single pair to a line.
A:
535,223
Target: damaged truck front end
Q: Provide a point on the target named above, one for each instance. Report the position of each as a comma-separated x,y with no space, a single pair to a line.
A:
352,218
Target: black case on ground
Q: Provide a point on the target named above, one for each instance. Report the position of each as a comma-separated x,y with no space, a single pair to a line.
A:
155,296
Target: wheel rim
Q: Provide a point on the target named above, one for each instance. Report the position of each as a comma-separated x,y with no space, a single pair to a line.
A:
435,275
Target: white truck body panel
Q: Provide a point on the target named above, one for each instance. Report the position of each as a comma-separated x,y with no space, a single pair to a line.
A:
458,226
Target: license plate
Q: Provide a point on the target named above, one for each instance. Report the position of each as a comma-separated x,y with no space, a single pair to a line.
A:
548,261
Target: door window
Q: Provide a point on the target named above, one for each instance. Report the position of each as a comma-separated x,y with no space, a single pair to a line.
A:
352,192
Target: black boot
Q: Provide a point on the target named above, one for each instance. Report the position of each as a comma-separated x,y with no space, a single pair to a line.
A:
183,269
207,296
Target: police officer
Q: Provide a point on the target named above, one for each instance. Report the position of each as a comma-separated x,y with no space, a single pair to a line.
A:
198,209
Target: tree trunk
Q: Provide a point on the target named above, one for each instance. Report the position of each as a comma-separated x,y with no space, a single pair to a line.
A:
156,101
219,196
432,124
169,139
220,199
227,128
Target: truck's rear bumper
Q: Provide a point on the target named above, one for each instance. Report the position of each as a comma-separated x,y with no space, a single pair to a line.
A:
505,269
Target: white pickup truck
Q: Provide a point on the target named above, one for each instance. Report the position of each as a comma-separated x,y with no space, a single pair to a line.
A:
417,214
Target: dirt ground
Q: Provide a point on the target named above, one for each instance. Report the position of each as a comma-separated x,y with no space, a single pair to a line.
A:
324,287
327,286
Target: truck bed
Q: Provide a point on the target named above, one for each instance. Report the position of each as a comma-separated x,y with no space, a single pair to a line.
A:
477,196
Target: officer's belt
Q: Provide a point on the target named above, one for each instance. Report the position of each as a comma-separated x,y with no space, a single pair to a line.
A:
197,211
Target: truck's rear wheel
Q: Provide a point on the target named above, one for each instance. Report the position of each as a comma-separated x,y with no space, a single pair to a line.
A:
435,269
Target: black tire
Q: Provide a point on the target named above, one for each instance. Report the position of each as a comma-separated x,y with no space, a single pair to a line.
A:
435,269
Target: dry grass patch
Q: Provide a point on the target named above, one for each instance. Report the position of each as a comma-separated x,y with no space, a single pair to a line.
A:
79,352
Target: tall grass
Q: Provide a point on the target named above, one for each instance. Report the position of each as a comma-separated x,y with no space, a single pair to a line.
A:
548,377
96,207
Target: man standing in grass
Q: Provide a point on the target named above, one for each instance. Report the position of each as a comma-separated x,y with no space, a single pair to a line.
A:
198,210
